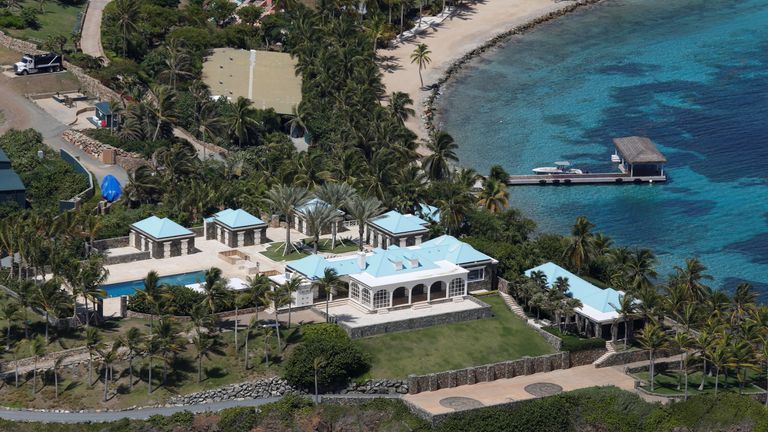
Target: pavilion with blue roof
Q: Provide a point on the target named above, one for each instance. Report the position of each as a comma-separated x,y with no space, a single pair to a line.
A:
437,270
596,316
395,228
235,228
163,238
299,221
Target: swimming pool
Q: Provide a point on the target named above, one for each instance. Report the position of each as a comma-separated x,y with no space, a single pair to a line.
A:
128,288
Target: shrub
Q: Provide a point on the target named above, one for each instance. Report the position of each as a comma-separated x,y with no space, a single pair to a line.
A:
183,300
238,419
342,359
8,20
145,148
286,408
29,18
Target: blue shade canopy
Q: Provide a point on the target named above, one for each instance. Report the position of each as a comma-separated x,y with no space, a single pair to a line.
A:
110,188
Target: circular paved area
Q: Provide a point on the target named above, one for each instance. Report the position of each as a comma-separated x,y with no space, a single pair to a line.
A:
459,403
543,389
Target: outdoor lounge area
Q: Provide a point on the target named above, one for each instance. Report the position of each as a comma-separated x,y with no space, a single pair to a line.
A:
597,316
163,238
639,156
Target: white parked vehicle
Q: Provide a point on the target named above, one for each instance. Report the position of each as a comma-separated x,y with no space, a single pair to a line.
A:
34,63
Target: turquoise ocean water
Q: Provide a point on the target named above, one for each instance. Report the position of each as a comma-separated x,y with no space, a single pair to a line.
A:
690,74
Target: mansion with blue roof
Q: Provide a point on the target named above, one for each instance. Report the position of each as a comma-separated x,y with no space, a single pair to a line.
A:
440,269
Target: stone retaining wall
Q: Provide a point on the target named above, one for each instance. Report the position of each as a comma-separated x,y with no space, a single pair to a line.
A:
276,387
185,318
125,159
126,258
111,243
418,322
489,372
9,367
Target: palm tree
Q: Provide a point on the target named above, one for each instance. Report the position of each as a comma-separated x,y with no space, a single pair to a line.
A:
36,349
494,196
420,56
284,199
25,298
580,251
763,355
126,18
253,294
317,217
176,61
400,105
691,277
640,270
205,344
375,28
214,288
453,210
243,121
363,209
133,342
627,310
108,358
93,344
56,367
442,152
317,364
252,324
683,340
335,195
718,355
151,350
154,295
289,287
330,284
10,313
163,107
652,338
168,344
50,297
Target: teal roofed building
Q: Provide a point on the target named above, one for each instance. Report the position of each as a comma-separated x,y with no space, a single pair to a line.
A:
11,186
597,315
395,228
235,228
437,270
299,222
163,238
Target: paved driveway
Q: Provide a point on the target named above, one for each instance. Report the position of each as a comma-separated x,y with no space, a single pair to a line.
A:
90,39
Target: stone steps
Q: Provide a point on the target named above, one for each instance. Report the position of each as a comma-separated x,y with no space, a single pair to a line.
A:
513,306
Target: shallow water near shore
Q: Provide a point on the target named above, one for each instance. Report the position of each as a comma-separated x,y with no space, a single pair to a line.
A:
690,74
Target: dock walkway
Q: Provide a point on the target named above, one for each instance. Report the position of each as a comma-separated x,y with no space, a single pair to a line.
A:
591,178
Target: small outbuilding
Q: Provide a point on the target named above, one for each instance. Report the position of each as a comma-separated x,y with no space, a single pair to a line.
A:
103,117
394,228
11,186
235,228
639,156
300,218
163,238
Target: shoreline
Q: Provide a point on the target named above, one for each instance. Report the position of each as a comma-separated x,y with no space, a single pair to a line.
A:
461,29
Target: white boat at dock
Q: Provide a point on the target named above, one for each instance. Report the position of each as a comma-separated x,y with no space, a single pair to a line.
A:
561,167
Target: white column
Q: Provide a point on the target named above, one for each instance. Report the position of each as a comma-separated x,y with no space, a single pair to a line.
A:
410,296
402,242
418,240
429,292
132,239
184,246
240,239
166,249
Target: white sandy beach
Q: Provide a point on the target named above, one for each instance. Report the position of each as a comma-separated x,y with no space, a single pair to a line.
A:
469,28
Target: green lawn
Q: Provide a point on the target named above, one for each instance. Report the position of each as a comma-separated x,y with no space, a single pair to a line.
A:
275,250
454,346
58,19
666,383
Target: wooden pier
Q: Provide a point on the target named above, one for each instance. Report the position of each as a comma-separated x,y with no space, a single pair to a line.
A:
639,162
591,178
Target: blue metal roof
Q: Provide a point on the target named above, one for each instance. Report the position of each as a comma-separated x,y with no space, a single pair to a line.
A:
590,295
161,228
4,157
103,107
10,181
311,204
381,262
430,212
398,223
237,218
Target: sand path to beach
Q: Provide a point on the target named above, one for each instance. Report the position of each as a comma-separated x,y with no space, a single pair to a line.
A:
470,27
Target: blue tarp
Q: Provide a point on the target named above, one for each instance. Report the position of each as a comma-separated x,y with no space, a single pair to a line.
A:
110,188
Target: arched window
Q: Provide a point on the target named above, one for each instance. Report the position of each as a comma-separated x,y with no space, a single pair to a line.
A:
381,299
457,288
354,291
365,296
